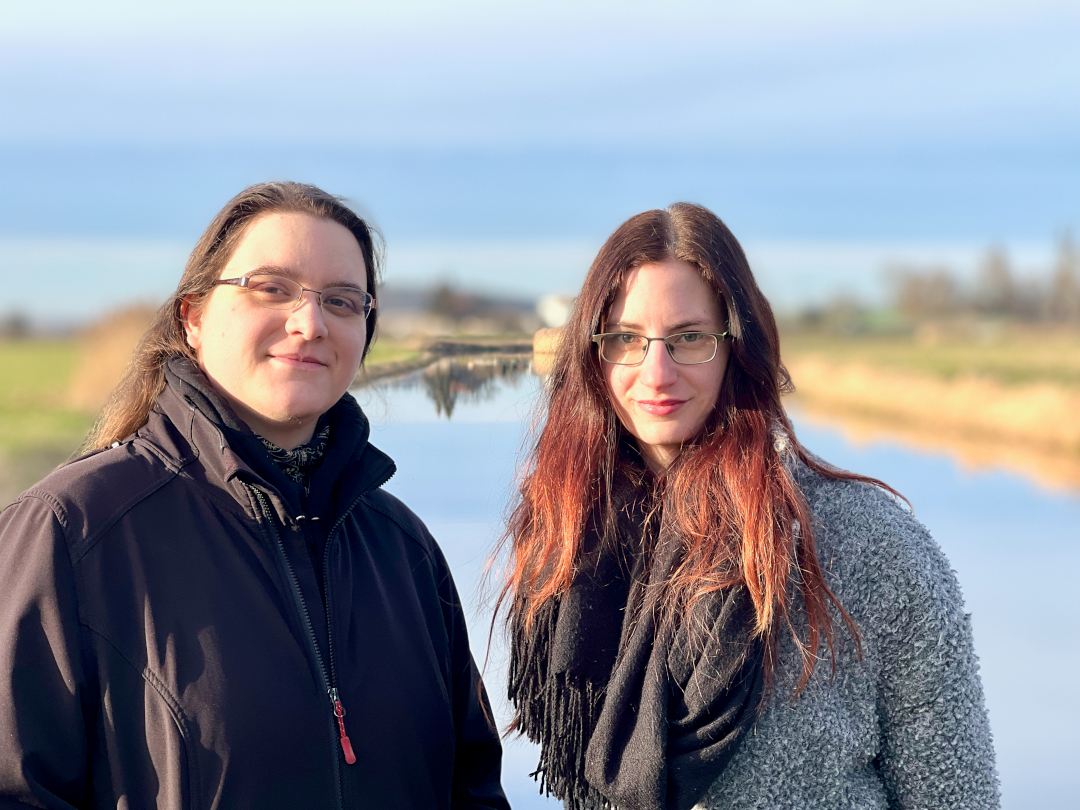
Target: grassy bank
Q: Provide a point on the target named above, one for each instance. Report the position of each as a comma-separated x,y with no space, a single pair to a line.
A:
1010,391
1007,356
996,388
385,352
39,428
35,409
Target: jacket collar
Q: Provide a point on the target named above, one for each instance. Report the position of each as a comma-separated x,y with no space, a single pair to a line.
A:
195,427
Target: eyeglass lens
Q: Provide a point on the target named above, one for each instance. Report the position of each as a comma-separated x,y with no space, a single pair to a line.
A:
688,348
275,292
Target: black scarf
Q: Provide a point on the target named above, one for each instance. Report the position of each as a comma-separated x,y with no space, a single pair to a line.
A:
633,707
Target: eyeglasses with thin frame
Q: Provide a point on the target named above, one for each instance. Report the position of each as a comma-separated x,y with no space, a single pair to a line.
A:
276,292
685,348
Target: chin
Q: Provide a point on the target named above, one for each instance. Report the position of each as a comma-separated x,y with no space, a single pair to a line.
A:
304,413
666,437
303,404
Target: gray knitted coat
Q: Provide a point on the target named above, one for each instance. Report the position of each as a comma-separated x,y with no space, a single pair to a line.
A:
905,727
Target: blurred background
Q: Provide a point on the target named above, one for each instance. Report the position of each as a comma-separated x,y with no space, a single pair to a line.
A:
905,179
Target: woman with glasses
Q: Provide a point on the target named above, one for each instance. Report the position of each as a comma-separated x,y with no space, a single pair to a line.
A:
218,605
702,613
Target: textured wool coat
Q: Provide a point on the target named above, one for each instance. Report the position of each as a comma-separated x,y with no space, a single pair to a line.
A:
905,726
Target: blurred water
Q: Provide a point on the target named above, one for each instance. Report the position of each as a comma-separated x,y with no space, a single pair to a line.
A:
1013,545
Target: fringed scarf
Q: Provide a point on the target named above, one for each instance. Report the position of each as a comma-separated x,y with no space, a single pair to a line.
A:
633,708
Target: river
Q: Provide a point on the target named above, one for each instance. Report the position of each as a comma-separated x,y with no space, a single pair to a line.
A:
456,436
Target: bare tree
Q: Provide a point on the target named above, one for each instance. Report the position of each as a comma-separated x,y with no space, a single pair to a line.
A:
1063,299
995,289
930,293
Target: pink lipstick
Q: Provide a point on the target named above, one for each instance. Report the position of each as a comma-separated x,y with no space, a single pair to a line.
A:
660,407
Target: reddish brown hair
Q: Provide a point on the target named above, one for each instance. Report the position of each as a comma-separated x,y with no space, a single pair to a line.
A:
738,509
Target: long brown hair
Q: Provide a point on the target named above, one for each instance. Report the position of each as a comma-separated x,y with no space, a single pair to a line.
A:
130,402
739,511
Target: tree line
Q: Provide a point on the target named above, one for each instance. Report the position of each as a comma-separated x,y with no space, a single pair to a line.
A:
937,293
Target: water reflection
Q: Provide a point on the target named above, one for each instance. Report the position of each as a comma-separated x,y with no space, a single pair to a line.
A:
1050,468
469,379
475,379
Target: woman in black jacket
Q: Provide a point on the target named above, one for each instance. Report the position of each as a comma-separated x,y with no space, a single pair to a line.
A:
218,606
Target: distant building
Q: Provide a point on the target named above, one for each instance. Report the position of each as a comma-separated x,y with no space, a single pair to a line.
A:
554,310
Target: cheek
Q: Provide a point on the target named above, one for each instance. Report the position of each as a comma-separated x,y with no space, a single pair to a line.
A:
350,346
615,382
236,333
710,382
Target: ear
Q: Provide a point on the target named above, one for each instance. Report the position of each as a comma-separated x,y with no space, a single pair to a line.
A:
191,316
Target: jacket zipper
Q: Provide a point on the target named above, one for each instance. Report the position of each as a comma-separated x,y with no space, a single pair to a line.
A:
339,709
328,675
298,597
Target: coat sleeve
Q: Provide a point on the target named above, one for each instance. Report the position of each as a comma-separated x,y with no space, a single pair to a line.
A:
43,748
937,749
478,752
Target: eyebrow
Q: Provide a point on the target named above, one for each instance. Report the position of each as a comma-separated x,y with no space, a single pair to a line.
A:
682,326
292,275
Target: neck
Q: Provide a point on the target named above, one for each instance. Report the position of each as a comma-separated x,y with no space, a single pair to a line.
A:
658,459
286,435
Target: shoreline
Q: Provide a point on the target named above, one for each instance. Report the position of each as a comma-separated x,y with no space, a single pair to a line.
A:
1039,415
1011,403
436,349
1029,428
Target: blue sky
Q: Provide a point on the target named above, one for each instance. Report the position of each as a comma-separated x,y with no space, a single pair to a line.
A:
838,122
721,74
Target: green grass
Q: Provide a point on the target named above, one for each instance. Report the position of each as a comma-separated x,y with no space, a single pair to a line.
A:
35,372
34,414
387,351
1008,356
35,376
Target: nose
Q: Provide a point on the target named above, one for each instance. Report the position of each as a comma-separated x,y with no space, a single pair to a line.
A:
657,370
307,319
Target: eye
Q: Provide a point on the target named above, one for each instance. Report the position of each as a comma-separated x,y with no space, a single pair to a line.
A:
686,338
626,339
343,302
271,287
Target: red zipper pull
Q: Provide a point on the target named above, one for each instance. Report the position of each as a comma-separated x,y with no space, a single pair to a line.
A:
339,713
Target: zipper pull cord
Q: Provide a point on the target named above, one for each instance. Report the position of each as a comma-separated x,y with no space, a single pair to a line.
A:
339,713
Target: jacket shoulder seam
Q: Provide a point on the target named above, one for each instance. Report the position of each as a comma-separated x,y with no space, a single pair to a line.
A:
424,542
50,500
84,546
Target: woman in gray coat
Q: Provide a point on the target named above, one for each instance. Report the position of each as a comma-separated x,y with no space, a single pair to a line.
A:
703,614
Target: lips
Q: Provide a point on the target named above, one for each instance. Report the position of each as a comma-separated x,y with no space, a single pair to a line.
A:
299,361
660,407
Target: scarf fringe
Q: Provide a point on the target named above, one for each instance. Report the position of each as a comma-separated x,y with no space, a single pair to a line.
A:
558,713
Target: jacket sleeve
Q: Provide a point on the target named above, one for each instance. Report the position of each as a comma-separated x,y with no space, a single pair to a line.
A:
43,748
937,749
478,752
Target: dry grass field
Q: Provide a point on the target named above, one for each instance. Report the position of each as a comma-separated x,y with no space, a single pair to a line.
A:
1009,397
1007,355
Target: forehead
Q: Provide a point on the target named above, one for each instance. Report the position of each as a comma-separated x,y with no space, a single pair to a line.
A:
310,249
667,294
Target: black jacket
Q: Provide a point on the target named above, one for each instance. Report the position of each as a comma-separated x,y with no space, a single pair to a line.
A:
165,641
